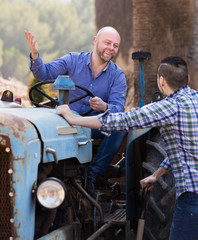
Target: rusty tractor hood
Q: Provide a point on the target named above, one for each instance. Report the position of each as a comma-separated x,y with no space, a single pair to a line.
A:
53,131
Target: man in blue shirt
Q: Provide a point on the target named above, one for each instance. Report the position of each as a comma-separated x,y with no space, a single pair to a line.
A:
177,118
96,72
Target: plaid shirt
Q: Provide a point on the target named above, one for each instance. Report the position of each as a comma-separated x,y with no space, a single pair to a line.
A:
177,118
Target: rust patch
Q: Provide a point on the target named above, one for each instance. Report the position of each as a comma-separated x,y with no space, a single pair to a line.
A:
13,122
5,141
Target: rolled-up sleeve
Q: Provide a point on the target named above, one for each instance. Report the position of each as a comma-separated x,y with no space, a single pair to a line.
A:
166,164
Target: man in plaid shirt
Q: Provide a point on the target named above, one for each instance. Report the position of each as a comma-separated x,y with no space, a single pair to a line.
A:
177,117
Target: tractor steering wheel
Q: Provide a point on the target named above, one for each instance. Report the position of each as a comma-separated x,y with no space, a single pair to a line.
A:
54,102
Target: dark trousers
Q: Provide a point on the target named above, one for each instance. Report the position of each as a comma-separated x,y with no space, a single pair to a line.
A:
185,219
107,150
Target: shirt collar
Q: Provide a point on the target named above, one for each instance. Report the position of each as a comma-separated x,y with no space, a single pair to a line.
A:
106,67
89,62
180,90
89,59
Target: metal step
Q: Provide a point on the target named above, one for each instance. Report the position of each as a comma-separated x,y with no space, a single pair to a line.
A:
117,217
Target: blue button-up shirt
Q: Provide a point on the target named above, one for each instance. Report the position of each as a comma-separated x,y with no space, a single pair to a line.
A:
177,118
109,84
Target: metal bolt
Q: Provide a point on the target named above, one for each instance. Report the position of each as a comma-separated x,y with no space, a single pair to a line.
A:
12,220
11,194
7,149
10,171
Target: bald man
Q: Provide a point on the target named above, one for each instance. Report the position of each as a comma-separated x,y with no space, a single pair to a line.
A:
96,72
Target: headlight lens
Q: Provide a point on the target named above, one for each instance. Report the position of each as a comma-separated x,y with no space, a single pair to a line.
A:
51,193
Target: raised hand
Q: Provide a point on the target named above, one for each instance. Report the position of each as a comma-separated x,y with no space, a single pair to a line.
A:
32,44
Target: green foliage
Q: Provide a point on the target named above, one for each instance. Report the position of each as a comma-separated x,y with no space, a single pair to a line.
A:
46,88
59,26
35,95
17,59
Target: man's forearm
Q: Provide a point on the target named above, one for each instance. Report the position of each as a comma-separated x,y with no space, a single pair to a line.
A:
160,172
90,122
153,178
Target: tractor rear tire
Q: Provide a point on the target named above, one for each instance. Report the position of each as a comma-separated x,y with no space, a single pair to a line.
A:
161,201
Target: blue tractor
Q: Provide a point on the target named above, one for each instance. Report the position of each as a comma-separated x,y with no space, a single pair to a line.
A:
42,162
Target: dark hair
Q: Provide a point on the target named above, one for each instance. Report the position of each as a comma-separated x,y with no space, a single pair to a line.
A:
175,71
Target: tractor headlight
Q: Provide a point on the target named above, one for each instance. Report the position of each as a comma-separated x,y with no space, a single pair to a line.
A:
51,193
